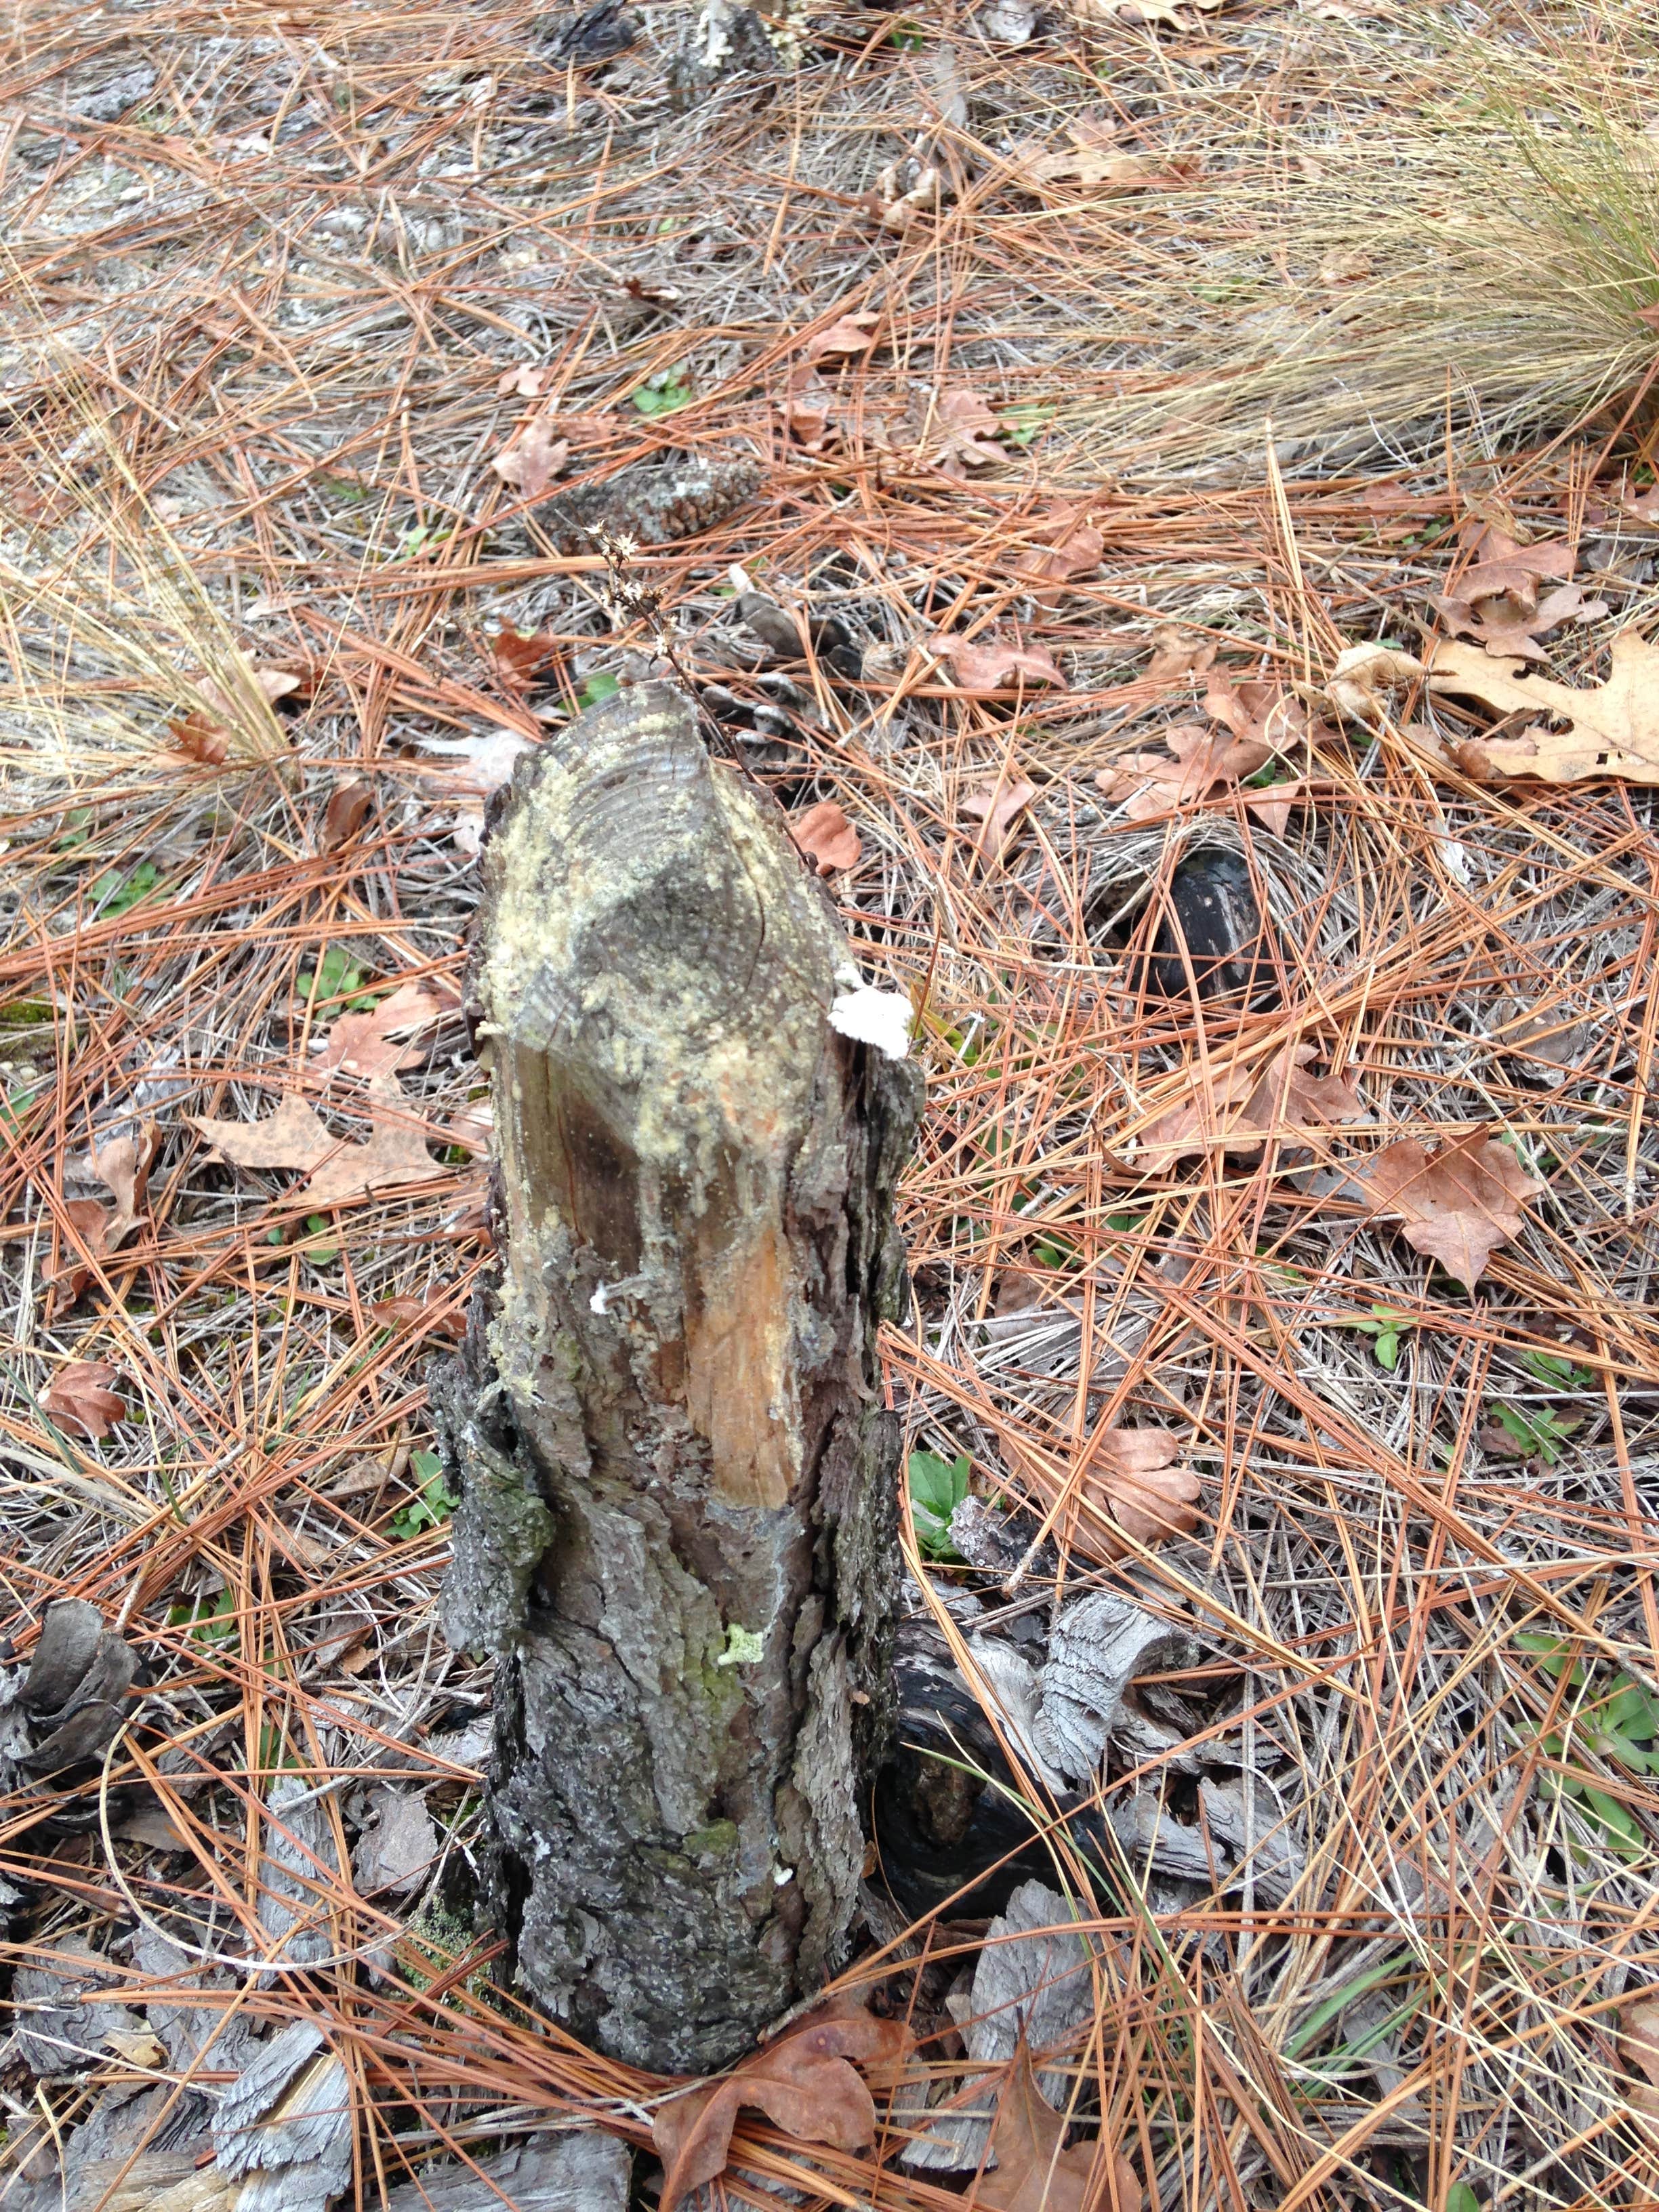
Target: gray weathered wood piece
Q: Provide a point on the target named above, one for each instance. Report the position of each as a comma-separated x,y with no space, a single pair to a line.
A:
677,1526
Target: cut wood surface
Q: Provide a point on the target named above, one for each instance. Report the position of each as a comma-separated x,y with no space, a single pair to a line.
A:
678,1487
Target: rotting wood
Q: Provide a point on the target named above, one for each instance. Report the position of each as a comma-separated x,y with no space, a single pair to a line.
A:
676,1526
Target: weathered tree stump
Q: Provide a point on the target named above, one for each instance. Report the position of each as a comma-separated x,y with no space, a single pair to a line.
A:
678,1486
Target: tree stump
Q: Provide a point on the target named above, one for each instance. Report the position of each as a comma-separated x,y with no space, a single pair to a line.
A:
677,1485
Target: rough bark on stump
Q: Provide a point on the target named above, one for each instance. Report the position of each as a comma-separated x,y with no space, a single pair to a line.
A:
678,1486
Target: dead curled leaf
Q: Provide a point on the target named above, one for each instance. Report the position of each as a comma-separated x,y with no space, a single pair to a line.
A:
1073,550
1457,1203
985,665
79,1399
529,463
851,333
803,2081
1098,161
826,836
379,1043
1239,1109
971,431
1362,683
1133,1477
1178,654
1638,2050
996,807
1260,720
337,1171
123,1167
1503,628
1035,2171
1615,726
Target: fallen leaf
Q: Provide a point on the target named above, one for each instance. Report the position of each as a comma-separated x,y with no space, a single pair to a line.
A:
1504,627
1034,2172
429,1311
1146,11
1238,1110
803,2081
1097,160
970,434
1364,677
1178,654
898,203
206,737
1135,1477
199,739
523,382
1457,1203
123,1167
519,659
1345,264
529,463
343,815
995,665
79,1399
474,1127
996,806
1503,567
1614,725
337,1171
1073,550
369,1044
807,411
1638,2048
826,835
848,334
136,2046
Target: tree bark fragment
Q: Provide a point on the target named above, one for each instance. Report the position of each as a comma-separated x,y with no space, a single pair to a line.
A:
678,1486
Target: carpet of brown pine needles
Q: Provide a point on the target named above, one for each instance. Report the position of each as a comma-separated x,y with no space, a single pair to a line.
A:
254,332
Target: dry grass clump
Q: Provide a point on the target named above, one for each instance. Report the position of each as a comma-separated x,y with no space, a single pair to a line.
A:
1454,239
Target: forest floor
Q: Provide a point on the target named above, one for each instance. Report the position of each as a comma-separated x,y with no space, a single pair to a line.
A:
1039,331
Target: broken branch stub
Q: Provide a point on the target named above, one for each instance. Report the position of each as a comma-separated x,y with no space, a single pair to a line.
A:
677,1525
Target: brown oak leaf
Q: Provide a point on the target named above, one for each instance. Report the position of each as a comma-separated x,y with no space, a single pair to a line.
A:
519,659
996,807
1035,2171
79,1399
1178,654
1638,2050
1238,1109
970,434
1504,627
807,411
530,460
123,1167
1097,160
806,2083
1457,1203
432,1312
826,836
848,334
337,1171
1134,1478
1614,726
1362,683
379,1042
345,812
1258,719
521,382
1073,550
986,665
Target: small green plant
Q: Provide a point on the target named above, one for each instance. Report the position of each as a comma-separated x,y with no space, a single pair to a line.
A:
1385,1328
421,537
1556,1372
664,393
110,893
599,685
1021,424
25,1013
210,1620
77,828
320,1256
335,977
908,38
435,1504
938,1486
1616,1719
1539,1436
